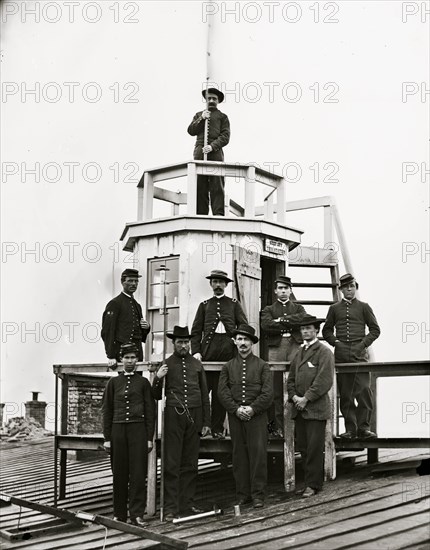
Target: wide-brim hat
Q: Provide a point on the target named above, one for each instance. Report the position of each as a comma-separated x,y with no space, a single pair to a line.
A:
283,279
246,330
178,332
309,320
218,274
130,273
214,91
346,279
128,348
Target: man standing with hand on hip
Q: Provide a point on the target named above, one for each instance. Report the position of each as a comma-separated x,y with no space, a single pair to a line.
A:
345,329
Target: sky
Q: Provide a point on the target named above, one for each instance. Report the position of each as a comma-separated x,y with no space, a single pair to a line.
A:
95,93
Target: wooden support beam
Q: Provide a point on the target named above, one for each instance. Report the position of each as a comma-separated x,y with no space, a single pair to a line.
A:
281,197
268,207
250,193
148,196
304,204
140,203
328,227
191,189
330,430
289,447
175,197
151,498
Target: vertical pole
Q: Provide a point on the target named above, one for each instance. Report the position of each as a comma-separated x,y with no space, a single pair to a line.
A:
281,199
330,448
191,189
289,449
148,196
328,226
250,192
373,454
140,199
55,443
152,472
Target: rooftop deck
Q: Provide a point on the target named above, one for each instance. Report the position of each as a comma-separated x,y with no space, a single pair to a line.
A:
366,507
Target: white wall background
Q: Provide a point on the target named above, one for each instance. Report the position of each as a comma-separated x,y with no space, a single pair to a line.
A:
372,49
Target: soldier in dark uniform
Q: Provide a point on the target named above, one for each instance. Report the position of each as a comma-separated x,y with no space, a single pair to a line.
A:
345,329
123,321
218,137
211,338
279,322
246,391
128,428
309,381
186,416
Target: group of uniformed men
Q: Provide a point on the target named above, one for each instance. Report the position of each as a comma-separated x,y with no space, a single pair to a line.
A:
245,388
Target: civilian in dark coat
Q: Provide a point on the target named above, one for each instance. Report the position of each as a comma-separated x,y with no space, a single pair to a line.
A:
211,338
345,329
246,391
128,428
218,137
123,321
309,381
279,323
186,416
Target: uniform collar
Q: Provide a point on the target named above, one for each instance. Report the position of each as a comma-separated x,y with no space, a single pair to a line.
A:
348,301
128,373
128,295
283,303
219,297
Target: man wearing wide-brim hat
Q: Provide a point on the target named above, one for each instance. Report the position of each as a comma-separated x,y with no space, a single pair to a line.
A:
186,417
123,321
345,329
279,324
211,337
246,391
210,188
309,381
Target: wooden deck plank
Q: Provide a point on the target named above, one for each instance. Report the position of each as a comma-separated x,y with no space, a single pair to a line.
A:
412,538
297,523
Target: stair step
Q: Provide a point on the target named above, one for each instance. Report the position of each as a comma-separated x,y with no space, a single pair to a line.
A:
315,285
315,302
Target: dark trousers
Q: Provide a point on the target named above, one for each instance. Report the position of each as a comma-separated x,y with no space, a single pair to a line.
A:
129,458
210,187
182,442
223,349
354,388
310,439
286,350
249,440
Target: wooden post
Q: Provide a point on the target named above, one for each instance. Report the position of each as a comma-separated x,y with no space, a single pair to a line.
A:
373,454
268,208
151,498
148,196
289,451
140,199
330,448
64,421
328,226
250,192
191,189
281,199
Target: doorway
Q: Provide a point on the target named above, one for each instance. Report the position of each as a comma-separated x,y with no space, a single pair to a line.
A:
271,268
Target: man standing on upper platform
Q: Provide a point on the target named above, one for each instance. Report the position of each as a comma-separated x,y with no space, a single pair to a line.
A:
123,321
211,338
218,137
349,318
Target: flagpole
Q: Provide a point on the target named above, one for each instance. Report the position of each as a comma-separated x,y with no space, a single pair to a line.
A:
208,75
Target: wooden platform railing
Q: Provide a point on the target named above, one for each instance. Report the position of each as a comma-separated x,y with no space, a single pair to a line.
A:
65,441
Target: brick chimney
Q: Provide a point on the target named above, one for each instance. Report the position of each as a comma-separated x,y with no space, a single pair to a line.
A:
36,409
